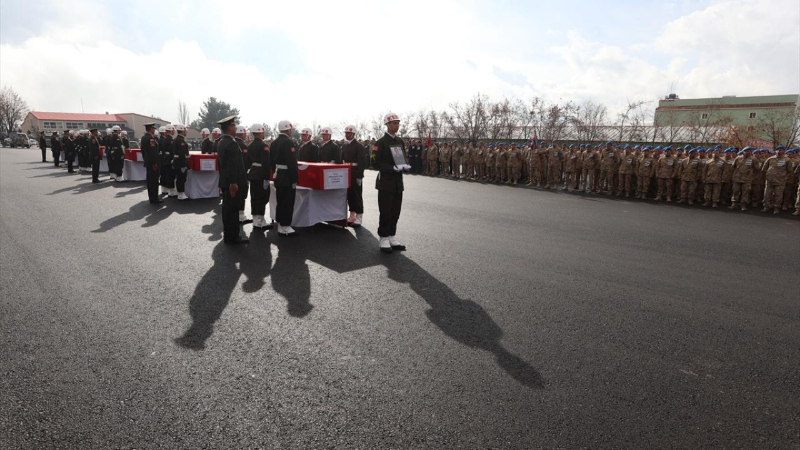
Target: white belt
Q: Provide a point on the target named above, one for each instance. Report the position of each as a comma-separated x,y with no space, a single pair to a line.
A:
354,164
281,166
256,164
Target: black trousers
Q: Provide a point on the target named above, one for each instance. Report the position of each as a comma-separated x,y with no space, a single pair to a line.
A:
152,183
70,161
56,156
230,215
115,165
242,196
96,169
44,154
355,200
167,176
389,204
180,180
285,207
259,197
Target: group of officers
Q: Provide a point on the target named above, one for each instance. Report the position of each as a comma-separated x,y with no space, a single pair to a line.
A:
685,174
246,168
84,146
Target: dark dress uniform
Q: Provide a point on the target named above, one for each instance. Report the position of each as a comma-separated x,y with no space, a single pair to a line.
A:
215,146
94,156
43,147
283,162
180,162
258,174
206,146
167,152
243,190
115,154
82,145
353,153
231,171
126,144
389,184
69,151
308,152
150,155
55,147
330,152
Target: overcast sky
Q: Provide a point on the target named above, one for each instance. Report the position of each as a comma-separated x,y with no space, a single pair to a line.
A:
331,62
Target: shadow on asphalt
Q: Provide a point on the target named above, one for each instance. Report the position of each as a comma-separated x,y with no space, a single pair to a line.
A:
152,214
463,320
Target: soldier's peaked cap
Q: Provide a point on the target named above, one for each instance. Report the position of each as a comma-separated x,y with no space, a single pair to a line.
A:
92,129
149,125
226,121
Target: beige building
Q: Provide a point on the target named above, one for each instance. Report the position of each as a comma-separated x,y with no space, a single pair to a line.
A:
133,123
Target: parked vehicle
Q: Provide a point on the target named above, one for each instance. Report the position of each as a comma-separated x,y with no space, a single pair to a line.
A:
19,140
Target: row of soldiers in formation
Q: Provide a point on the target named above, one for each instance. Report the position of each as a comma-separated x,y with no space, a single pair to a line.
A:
84,146
742,178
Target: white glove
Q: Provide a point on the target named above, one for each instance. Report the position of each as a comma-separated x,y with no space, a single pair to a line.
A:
358,181
405,167
294,185
183,169
398,169
266,184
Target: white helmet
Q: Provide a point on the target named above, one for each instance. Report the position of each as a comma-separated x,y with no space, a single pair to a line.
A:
257,128
240,129
162,129
204,132
170,128
326,130
305,131
391,117
284,125
72,132
180,127
87,131
124,133
216,131
116,128
350,129
108,130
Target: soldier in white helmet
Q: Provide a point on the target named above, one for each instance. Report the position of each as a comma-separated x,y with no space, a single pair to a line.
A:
167,153
205,146
309,151
216,134
353,153
241,135
115,153
329,152
258,176
283,161
180,160
391,162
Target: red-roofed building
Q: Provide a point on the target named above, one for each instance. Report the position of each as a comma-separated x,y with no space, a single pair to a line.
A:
48,122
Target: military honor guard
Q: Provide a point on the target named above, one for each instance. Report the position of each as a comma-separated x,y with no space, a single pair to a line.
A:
391,163
283,162
308,152
180,161
232,179
151,157
94,154
353,154
329,152
258,175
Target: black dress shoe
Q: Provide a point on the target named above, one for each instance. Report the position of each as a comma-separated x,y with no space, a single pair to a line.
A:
95,181
386,249
265,227
399,248
238,240
157,201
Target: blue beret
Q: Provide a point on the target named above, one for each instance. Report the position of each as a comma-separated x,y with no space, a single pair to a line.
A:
718,146
609,143
780,147
669,147
694,150
748,148
646,149
740,153
491,145
771,152
636,147
627,146
791,150
701,150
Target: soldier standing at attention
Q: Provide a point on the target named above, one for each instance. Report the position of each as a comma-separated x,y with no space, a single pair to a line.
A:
94,154
241,135
216,134
55,147
232,178
390,162
742,176
570,169
69,150
329,152
433,157
151,156
627,168
608,162
776,171
588,162
308,152
444,160
665,168
644,174
116,154
180,160
455,156
167,152
553,166
791,180
283,160
714,168
352,154
43,146
258,176
727,173
205,146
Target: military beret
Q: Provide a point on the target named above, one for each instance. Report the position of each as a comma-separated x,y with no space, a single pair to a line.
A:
694,150
740,153
627,146
747,149
636,147
791,151
717,146
647,149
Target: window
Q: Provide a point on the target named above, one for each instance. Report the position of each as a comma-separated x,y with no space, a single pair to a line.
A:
753,115
51,125
74,125
704,116
98,125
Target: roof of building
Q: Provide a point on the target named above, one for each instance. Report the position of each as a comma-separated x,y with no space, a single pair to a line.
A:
761,101
42,115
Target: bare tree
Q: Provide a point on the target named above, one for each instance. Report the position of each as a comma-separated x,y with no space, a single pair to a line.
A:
183,113
588,120
781,127
667,127
631,117
12,110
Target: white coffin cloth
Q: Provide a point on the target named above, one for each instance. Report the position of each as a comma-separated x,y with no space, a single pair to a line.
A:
103,164
312,206
202,183
134,170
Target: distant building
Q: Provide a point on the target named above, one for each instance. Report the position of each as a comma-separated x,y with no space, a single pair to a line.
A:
736,111
133,123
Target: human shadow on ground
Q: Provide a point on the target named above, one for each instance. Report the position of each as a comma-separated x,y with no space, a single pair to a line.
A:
213,293
152,214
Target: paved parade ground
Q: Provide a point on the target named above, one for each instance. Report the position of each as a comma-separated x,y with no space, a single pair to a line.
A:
518,318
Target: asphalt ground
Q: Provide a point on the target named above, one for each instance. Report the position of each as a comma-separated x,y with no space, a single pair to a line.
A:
518,318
